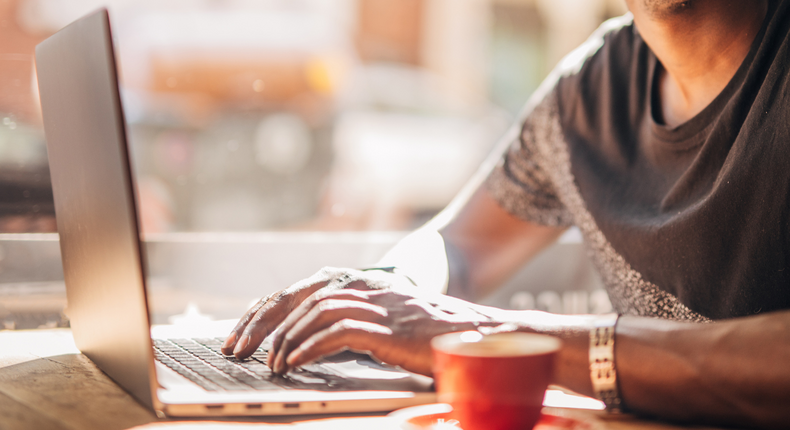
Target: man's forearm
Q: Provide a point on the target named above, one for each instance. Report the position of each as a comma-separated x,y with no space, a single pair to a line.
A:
733,372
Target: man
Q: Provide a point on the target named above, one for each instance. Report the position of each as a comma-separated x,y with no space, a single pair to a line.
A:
664,138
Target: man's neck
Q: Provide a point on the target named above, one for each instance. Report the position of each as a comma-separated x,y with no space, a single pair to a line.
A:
701,44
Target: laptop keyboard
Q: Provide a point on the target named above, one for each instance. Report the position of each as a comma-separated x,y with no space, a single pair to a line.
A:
202,362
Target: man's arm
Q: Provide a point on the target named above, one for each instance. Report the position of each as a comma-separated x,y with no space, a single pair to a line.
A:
732,372
726,373
469,249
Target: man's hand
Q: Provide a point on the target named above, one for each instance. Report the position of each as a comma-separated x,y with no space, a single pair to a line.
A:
263,318
338,309
395,327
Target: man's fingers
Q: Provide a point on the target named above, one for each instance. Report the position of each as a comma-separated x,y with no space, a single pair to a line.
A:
344,334
269,316
230,342
305,307
265,320
322,316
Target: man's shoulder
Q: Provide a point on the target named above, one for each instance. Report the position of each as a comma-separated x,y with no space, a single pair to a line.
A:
614,35
585,77
608,71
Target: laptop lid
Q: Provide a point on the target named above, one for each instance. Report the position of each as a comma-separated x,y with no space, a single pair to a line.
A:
95,209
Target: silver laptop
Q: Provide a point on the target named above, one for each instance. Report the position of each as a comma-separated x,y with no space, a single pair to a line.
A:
105,274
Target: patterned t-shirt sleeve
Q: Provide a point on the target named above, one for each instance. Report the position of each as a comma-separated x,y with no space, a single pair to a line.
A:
520,182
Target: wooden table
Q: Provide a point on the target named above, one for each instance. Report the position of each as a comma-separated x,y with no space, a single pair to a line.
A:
45,383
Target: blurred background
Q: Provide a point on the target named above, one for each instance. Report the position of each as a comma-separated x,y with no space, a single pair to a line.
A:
272,137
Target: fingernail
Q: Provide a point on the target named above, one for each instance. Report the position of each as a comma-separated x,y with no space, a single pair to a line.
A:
229,341
244,340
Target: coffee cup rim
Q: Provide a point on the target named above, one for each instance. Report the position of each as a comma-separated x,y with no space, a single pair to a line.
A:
531,344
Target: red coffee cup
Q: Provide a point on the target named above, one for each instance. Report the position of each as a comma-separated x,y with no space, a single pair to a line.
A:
496,381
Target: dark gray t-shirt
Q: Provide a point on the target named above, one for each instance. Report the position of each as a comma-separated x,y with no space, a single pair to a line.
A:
688,223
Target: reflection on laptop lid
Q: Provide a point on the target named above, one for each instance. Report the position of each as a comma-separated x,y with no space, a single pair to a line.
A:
104,263
93,192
